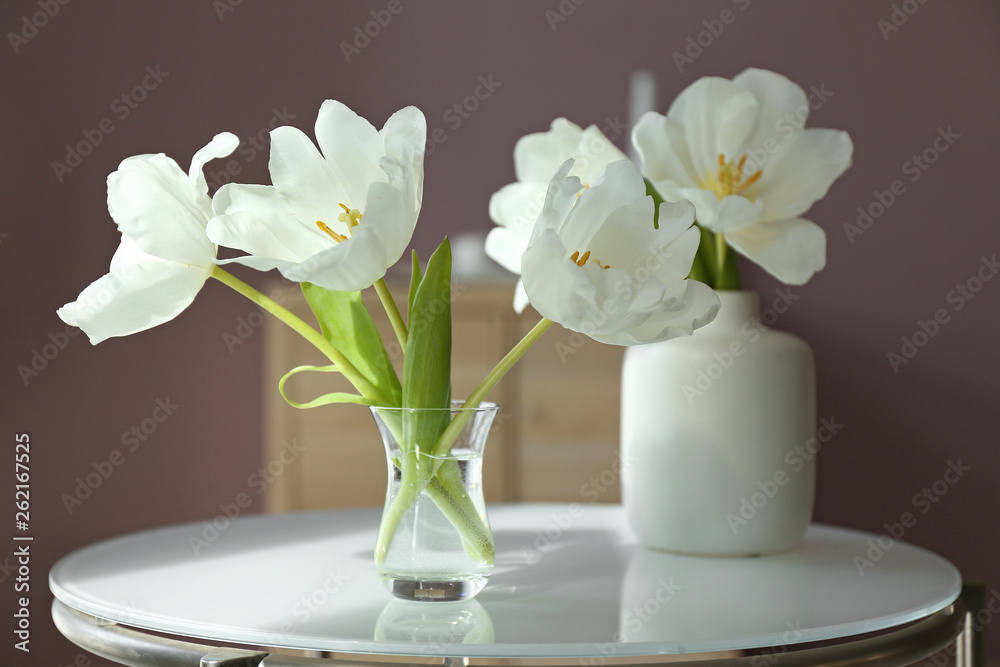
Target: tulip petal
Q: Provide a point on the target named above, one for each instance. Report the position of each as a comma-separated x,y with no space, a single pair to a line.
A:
671,258
783,108
560,198
663,151
622,183
154,202
555,285
594,152
514,207
305,179
347,267
717,117
803,172
506,247
517,205
521,300
221,145
538,156
404,135
695,306
790,250
390,216
256,220
139,292
352,148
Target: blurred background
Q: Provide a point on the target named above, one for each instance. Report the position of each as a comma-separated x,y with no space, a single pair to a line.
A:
87,84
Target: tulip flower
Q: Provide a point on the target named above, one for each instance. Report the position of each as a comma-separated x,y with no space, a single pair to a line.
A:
338,219
164,257
596,263
739,151
537,158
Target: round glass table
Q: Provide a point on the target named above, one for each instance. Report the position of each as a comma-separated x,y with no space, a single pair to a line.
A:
571,585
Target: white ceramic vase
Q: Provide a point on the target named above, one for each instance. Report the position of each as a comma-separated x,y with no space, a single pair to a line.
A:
715,432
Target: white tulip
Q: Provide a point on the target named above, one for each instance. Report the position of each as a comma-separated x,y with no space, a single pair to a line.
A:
738,150
537,157
338,219
164,257
597,265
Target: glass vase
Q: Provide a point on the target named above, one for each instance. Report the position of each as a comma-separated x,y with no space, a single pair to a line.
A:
434,542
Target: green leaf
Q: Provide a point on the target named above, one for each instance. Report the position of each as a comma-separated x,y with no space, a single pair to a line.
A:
345,321
325,399
657,200
427,365
415,278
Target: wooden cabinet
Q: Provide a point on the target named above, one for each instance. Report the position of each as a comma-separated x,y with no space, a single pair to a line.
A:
554,438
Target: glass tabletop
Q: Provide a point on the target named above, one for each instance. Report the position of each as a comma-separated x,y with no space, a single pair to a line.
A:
570,582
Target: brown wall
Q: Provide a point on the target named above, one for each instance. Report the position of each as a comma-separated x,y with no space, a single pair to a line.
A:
229,71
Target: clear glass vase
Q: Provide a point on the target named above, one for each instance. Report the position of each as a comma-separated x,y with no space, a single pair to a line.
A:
434,542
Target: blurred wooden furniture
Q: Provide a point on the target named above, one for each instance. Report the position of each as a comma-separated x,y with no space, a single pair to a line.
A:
555,437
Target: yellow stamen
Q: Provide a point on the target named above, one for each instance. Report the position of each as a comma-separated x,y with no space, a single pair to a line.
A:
729,180
332,234
580,260
350,217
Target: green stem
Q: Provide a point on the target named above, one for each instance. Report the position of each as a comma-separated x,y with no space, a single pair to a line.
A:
300,327
492,378
409,489
446,490
450,497
398,326
720,253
